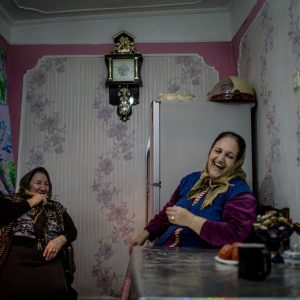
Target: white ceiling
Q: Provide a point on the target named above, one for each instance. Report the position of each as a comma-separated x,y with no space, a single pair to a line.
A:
25,10
96,21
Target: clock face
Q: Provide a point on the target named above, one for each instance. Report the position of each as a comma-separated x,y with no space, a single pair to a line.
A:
123,70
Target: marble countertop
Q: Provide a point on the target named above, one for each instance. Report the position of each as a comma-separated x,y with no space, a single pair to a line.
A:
172,273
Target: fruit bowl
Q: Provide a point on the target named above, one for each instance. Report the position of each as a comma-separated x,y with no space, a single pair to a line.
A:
274,234
274,227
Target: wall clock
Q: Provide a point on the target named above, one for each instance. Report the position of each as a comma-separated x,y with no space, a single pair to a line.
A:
124,75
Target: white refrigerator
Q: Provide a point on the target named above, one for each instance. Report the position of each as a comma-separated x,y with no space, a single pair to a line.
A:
180,138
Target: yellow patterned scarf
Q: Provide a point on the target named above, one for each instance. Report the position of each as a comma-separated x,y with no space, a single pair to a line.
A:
217,185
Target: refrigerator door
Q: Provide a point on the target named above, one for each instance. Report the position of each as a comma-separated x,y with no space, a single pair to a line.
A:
182,134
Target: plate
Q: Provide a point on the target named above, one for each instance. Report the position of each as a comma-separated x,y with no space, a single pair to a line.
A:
226,261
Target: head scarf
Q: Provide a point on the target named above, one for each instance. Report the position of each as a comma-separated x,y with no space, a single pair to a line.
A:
217,185
40,214
25,182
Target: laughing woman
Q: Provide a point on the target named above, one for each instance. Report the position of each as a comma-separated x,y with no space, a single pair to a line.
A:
34,229
209,208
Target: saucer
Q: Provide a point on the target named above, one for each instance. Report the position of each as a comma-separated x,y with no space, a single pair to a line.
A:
292,258
226,261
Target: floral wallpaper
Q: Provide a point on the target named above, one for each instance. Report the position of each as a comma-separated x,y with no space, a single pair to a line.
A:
116,212
191,73
294,37
269,56
97,162
268,107
47,123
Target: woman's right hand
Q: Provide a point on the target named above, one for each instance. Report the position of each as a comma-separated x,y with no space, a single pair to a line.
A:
36,199
139,240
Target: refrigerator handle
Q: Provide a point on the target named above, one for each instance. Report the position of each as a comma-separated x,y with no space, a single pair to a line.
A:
154,184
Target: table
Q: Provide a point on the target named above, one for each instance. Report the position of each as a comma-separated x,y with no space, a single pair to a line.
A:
177,273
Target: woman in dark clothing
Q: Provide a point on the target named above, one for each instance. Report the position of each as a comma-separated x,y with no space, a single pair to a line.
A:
34,230
209,208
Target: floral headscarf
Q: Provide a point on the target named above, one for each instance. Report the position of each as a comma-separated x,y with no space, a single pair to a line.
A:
217,185
25,182
40,214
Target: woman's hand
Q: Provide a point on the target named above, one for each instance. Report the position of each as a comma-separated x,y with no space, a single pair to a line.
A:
181,216
139,240
36,199
54,246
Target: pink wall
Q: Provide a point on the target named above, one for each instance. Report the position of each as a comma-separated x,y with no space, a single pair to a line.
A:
4,44
25,57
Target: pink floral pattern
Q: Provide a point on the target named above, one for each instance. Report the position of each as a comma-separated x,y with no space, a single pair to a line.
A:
191,73
294,36
271,118
116,211
245,54
49,124
104,275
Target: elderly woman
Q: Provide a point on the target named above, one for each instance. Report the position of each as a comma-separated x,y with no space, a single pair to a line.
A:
209,208
34,229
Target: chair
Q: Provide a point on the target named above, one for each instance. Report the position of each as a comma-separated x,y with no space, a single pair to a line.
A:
69,263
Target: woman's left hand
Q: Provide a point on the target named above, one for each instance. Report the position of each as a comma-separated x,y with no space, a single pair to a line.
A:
54,246
179,215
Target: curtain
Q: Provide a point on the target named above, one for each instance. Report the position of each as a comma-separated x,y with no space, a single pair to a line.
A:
7,166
